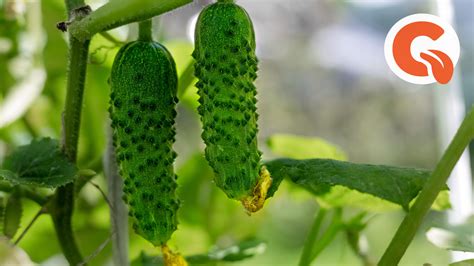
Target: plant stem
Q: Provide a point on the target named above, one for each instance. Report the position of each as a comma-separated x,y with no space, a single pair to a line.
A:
145,31
435,183
305,258
78,52
118,13
62,210
62,206
328,235
37,215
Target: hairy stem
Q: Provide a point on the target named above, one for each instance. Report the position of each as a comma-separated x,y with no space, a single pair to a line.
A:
62,210
145,30
62,206
78,52
118,13
435,183
305,258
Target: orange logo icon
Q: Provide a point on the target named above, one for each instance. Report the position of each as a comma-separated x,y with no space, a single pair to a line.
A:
422,49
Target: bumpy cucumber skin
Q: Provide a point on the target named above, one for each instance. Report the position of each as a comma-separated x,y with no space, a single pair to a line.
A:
143,98
226,67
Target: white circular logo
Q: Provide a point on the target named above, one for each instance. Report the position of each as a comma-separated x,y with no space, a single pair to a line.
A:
422,49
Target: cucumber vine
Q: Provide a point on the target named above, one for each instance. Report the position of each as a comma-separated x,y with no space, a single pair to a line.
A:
144,93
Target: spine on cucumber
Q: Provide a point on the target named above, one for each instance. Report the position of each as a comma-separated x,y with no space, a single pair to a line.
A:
226,67
143,98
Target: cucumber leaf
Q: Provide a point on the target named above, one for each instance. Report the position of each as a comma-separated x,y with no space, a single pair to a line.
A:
394,184
40,163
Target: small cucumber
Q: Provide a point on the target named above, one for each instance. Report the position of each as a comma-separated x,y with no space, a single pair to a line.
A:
143,99
226,67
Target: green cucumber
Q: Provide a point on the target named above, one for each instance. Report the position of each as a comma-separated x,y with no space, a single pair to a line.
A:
226,67
143,99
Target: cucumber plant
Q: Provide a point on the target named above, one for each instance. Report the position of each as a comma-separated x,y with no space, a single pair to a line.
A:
143,100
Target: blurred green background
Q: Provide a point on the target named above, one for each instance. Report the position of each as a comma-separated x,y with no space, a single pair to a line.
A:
310,83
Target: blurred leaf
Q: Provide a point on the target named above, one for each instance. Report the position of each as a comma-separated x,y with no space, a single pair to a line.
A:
181,51
186,79
394,184
469,262
39,163
145,260
299,147
340,196
454,237
241,251
8,175
441,202
13,212
194,178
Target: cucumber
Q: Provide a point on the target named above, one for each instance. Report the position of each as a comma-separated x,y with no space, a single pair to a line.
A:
143,99
226,66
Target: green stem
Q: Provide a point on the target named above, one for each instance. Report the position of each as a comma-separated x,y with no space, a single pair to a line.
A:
118,13
145,31
62,206
61,212
305,258
328,235
437,181
78,53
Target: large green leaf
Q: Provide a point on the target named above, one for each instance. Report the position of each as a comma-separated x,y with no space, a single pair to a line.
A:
299,147
395,184
39,163
453,237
